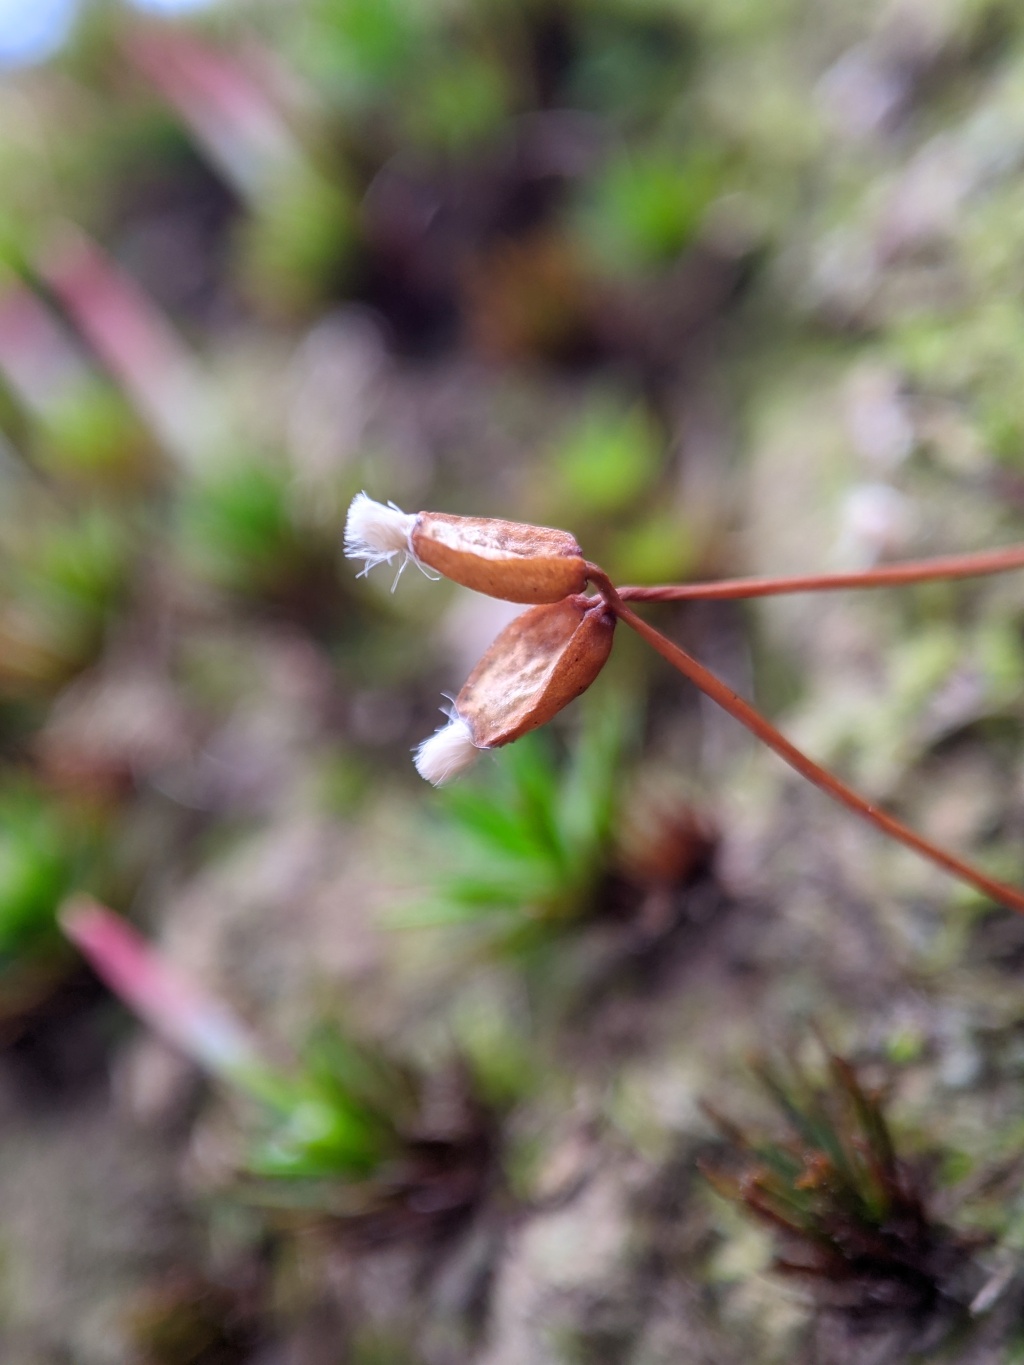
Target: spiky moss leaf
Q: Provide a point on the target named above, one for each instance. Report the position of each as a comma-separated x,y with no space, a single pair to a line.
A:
343,1118
527,844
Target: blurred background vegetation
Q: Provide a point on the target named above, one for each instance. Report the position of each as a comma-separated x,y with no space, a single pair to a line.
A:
720,287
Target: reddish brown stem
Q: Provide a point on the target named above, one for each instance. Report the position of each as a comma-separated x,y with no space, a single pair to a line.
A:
889,575
767,733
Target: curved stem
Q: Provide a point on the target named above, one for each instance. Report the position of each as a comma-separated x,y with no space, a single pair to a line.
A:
833,786
889,575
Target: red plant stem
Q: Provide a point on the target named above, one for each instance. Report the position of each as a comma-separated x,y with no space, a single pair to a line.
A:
889,575
833,786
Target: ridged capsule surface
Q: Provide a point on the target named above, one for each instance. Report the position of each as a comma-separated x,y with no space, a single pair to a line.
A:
506,559
539,663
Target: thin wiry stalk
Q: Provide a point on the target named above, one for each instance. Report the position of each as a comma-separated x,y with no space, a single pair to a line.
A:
763,729
887,576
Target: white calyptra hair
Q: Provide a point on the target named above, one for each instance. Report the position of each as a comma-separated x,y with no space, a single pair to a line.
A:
376,533
447,753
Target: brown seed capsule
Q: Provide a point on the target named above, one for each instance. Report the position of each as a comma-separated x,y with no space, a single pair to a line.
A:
539,663
506,559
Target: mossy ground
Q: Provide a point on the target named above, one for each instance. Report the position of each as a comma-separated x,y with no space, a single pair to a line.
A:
720,288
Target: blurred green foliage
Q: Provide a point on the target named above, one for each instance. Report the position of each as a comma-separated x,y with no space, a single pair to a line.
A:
456,104
342,1116
525,849
90,436
236,528
646,207
60,583
609,457
297,248
46,852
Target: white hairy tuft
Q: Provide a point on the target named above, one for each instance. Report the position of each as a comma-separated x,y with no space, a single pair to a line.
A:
447,753
376,533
